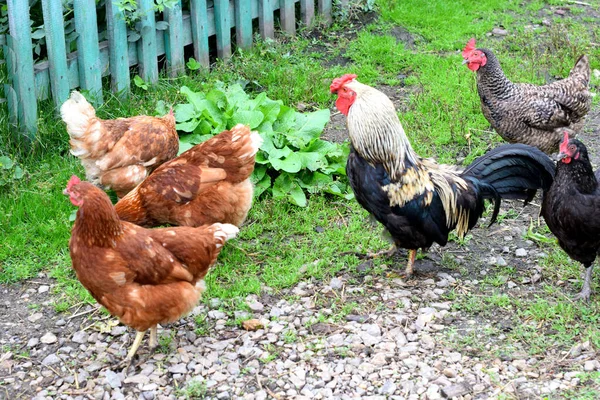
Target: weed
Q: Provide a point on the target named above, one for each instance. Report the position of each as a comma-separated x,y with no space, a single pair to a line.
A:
194,389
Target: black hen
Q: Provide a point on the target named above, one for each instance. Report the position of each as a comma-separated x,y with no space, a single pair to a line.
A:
572,205
417,200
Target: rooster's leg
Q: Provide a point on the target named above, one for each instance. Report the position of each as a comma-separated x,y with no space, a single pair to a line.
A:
586,292
411,263
153,338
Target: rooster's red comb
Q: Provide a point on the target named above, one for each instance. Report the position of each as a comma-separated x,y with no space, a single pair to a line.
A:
469,48
73,181
565,143
337,83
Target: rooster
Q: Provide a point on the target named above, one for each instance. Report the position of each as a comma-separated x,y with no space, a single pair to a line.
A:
118,154
526,113
417,200
143,277
572,205
208,183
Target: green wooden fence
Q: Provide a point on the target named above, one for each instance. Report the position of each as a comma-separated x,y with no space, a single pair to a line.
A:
84,68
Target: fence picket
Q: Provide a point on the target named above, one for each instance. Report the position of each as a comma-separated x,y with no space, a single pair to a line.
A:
174,40
325,10
147,43
117,50
11,92
266,23
287,13
88,54
57,51
199,19
243,23
307,10
223,28
20,31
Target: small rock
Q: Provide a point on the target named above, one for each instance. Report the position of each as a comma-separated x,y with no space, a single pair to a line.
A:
48,338
216,314
33,342
51,360
336,283
560,11
256,306
35,317
118,330
590,365
178,369
499,32
521,252
60,322
80,337
388,387
449,372
319,229
501,262
112,379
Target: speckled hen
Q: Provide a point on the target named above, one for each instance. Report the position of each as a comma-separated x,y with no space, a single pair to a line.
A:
142,276
118,154
526,113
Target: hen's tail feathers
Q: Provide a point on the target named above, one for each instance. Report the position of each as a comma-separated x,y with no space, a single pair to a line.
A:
224,232
581,69
76,112
514,171
251,140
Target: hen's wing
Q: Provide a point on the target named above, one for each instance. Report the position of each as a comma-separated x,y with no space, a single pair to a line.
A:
146,140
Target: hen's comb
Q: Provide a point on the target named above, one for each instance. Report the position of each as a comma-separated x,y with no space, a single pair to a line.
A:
565,143
337,83
73,181
469,48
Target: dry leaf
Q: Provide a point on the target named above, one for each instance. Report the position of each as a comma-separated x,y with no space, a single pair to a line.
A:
252,324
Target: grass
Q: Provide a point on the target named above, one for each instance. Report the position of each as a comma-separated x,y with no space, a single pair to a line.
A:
282,244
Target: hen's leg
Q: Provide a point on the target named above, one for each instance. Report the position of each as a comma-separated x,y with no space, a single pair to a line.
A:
586,292
126,363
411,263
153,337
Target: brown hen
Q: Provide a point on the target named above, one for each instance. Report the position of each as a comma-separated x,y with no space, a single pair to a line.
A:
143,277
118,154
526,113
208,183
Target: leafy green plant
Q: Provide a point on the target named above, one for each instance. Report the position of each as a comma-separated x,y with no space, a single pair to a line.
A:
292,160
139,82
10,171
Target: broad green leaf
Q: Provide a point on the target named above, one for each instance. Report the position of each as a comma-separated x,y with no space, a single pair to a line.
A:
184,112
292,163
297,196
261,158
257,101
5,162
218,97
187,126
196,98
250,118
285,186
161,108
285,119
280,153
18,172
312,160
204,128
192,138
307,127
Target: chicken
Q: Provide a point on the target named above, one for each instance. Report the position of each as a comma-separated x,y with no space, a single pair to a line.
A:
571,207
143,277
208,183
526,113
118,154
417,200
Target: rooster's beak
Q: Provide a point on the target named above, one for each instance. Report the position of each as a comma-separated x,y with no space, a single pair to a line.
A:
65,192
465,61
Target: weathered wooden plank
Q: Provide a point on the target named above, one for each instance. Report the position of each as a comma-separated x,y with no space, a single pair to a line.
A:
88,54
243,23
287,14
223,28
266,23
199,22
325,10
307,11
174,40
147,54
57,51
11,90
20,32
118,53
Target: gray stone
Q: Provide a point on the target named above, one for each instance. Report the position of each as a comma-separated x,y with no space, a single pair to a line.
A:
51,359
521,252
48,338
43,289
499,32
33,342
80,337
388,388
501,262
256,306
35,317
216,314
178,369
336,283
112,379
118,330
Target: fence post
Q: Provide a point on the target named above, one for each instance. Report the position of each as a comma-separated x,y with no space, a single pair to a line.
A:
57,51
174,40
199,18
147,53
88,51
325,10
307,10
118,55
287,11
223,28
11,92
266,23
23,78
243,24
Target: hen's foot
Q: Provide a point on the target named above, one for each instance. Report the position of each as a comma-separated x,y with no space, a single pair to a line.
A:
586,292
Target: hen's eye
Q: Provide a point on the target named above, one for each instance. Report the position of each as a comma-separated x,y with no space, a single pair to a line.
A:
572,147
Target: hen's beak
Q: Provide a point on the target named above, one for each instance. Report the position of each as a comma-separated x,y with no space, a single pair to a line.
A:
65,192
560,156
465,61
